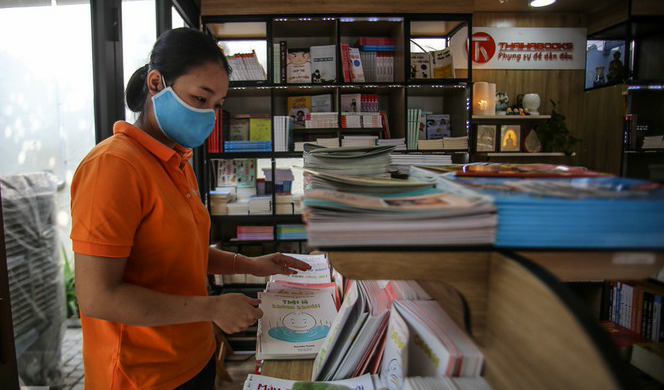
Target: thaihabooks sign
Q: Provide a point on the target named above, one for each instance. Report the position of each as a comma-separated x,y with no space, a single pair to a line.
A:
521,48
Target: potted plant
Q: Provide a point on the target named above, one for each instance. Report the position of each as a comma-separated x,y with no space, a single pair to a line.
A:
554,134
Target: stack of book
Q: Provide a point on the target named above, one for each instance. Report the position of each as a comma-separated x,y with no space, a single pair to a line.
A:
321,120
372,120
240,207
246,67
299,106
327,142
255,233
637,306
351,120
259,205
414,115
421,159
247,146
282,133
361,120
359,102
569,207
287,204
398,143
370,160
359,140
455,143
219,200
222,125
430,144
283,180
291,232
298,311
653,142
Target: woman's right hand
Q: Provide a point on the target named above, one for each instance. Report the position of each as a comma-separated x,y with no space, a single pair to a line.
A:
236,312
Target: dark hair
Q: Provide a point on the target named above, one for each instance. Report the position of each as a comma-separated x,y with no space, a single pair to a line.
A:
175,53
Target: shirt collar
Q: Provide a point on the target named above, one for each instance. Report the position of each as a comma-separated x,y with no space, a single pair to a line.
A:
155,147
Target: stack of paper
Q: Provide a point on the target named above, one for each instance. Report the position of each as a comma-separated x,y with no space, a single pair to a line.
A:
359,140
364,184
653,142
421,159
398,143
241,207
327,142
322,120
353,345
444,383
298,311
590,212
413,127
370,160
347,219
455,143
260,382
430,144
260,205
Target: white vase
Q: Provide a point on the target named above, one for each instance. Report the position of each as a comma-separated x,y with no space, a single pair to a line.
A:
531,101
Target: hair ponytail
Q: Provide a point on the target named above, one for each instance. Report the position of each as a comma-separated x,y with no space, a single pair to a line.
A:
175,53
137,90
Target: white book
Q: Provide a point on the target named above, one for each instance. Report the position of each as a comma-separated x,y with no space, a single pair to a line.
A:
394,366
294,324
319,273
323,64
276,63
357,74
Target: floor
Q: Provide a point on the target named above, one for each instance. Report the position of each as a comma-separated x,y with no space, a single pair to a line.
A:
238,366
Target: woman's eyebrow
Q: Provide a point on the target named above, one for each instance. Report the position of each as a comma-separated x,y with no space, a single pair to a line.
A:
207,89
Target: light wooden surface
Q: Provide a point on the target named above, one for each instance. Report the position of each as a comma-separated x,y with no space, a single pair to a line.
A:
467,272
586,266
533,341
254,7
602,131
296,370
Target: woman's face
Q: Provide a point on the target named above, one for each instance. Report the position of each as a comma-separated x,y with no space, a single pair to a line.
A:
204,86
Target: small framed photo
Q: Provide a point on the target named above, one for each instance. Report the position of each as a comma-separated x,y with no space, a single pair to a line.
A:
510,138
486,138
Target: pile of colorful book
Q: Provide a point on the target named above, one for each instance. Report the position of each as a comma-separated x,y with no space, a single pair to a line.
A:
291,232
364,161
246,67
255,233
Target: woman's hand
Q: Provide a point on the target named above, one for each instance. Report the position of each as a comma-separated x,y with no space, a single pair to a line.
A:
274,263
235,312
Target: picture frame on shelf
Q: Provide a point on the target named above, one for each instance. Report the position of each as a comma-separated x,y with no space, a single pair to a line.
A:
486,138
510,138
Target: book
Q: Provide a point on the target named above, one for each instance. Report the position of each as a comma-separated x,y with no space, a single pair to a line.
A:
261,382
298,108
239,129
321,103
394,367
323,64
445,383
294,323
649,358
443,66
260,129
276,59
420,65
283,61
299,66
351,102
356,73
438,126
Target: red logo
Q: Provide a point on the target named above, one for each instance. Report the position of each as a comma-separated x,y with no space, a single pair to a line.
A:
484,47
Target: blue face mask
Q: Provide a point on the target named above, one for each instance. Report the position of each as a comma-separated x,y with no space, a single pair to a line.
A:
184,124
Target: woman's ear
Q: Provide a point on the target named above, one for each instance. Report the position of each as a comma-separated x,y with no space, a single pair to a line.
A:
155,82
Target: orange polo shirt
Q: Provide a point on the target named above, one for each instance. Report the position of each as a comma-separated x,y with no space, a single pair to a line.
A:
134,197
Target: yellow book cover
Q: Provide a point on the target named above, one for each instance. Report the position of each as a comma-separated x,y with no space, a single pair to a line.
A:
260,129
298,108
443,66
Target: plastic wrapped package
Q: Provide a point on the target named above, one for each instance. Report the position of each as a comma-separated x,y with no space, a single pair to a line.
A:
36,280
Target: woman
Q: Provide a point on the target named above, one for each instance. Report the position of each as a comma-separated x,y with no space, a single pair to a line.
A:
140,232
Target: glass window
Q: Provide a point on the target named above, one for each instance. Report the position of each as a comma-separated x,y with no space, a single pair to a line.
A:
46,124
139,32
605,63
176,19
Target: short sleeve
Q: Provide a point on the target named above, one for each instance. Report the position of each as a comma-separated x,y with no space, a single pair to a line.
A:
106,206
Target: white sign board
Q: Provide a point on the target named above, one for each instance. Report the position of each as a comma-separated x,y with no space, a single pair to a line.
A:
521,48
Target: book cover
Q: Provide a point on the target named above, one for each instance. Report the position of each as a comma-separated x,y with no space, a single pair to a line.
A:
294,324
438,126
420,65
323,64
395,356
299,66
239,129
443,66
260,129
321,103
351,102
298,108
356,72
276,59
345,55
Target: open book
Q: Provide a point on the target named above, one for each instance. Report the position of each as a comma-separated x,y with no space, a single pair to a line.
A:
261,382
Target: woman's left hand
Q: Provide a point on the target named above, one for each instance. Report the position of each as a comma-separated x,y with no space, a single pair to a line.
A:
275,263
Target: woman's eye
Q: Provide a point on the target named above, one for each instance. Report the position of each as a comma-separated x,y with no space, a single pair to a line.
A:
200,99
